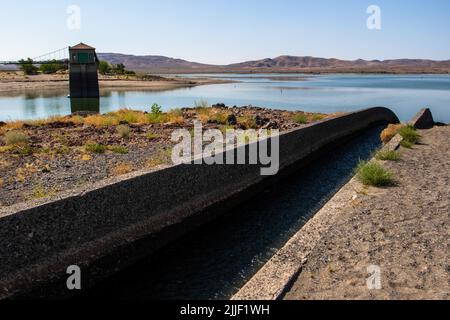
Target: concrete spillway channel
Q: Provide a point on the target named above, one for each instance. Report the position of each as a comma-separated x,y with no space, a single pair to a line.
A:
229,220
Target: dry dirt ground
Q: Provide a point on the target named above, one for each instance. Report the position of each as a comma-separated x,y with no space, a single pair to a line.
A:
58,153
404,230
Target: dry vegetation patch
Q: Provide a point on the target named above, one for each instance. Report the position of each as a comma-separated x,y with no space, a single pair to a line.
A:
41,156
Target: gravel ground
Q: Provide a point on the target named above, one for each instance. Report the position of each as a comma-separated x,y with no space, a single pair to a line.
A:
404,230
59,160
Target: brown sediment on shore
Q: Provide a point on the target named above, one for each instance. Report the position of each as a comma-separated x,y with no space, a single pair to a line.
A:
62,153
14,82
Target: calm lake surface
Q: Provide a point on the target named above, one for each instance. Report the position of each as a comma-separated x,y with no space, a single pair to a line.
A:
405,94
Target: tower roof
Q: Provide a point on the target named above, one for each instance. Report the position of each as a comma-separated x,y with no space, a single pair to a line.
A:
82,46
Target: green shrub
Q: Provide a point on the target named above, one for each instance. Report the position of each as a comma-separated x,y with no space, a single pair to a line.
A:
152,136
156,109
300,118
220,118
156,118
406,144
247,122
373,174
123,131
95,148
318,117
52,67
388,155
104,67
28,67
119,149
16,138
410,134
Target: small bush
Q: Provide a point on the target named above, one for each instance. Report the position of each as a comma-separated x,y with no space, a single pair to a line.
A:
317,117
121,169
119,149
104,67
410,134
123,131
102,121
220,117
160,158
152,136
155,118
156,109
300,118
175,116
95,148
390,132
15,125
373,174
388,156
247,122
39,192
406,144
16,138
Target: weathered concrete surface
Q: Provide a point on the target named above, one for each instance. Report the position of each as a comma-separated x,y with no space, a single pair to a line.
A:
113,223
423,120
276,277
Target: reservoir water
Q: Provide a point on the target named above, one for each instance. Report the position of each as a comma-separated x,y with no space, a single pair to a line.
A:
405,94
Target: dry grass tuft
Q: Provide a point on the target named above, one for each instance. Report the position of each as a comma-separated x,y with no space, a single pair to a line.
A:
14,125
175,116
39,192
121,169
16,138
390,132
101,121
123,131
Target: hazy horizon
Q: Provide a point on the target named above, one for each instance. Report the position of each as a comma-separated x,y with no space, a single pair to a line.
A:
223,32
274,57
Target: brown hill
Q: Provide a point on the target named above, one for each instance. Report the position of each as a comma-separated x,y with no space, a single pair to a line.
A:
161,64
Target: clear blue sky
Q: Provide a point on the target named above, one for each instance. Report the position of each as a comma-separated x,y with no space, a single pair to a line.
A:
227,31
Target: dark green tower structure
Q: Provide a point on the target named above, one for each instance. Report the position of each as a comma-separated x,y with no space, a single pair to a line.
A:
83,66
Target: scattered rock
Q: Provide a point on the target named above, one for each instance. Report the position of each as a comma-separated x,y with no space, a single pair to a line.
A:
232,120
271,125
261,121
220,106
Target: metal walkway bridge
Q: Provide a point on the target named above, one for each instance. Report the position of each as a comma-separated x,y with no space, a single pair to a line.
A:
60,55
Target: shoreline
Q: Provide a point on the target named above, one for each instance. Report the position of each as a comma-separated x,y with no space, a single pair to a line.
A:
12,82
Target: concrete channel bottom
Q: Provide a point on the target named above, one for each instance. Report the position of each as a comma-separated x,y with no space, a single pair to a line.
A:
216,260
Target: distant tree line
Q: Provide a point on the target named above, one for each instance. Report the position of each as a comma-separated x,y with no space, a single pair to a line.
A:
105,67
29,68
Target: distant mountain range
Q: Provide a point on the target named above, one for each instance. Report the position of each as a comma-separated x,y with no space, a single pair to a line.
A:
161,64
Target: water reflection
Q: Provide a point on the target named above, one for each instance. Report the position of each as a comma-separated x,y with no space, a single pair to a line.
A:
85,105
405,95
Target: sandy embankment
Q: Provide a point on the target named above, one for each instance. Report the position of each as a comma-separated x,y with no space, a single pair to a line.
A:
14,82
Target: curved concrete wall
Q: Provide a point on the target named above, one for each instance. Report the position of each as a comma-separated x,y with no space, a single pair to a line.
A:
112,223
